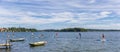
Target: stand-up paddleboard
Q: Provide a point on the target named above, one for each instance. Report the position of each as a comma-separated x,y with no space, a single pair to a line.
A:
103,40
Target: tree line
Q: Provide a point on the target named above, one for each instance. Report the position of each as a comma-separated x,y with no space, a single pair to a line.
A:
20,29
67,30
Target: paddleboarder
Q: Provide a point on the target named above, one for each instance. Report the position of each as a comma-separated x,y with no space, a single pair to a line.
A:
103,38
56,35
80,35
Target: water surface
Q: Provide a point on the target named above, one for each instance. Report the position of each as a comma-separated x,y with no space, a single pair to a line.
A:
64,42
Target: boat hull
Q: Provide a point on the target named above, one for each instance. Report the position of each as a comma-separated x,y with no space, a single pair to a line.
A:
15,40
41,43
5,44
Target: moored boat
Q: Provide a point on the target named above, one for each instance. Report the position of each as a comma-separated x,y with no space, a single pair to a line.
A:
17,39
40,43
5,44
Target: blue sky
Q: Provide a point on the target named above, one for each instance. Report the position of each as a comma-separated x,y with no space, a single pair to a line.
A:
57,14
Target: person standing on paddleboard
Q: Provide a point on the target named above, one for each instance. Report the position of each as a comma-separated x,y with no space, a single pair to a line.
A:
80,35
103,37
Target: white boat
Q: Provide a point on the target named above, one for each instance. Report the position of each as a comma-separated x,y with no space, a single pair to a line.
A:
17,39
5,44
40,43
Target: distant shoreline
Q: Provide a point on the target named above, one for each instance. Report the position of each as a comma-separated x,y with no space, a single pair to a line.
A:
21,29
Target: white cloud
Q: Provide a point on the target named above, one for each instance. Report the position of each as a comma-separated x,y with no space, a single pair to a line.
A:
92,1
104,26
93,16
72,11
27,18
104,14
3,11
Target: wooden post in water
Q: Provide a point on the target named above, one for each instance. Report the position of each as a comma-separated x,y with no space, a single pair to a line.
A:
8,45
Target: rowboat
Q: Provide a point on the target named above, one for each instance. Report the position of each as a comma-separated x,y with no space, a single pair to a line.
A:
18,39
40,43
5,44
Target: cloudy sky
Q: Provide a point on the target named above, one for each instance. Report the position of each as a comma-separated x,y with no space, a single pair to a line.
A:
57,14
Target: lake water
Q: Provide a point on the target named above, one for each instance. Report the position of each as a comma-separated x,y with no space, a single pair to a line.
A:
64,42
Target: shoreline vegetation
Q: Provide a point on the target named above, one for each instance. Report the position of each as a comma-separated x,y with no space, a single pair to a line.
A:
22,29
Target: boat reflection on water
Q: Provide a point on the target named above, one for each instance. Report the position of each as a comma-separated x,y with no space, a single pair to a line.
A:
5,50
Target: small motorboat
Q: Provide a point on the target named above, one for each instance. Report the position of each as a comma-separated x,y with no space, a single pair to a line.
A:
40,43
17,39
